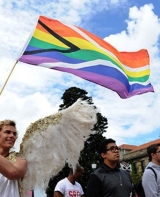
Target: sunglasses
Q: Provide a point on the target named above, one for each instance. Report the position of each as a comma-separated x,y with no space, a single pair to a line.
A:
113,149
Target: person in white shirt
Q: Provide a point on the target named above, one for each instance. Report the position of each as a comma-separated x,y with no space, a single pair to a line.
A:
69,187
12,166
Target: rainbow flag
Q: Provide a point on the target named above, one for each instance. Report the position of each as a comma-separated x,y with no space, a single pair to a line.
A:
71,49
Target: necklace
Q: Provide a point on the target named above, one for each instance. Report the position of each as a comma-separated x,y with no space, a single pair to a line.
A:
120,178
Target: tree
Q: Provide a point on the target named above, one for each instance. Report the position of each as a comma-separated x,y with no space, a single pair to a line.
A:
89,155
71,95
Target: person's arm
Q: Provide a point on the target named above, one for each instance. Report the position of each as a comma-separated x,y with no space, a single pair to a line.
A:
59,190
94,187
82,192
150,184
15,170
57,194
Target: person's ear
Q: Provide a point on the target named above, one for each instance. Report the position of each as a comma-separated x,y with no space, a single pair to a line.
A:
103,155
153,155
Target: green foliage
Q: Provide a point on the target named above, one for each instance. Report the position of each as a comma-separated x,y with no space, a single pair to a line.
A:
134,175
71,95
89,155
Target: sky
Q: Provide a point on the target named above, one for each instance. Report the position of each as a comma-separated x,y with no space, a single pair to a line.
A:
35,92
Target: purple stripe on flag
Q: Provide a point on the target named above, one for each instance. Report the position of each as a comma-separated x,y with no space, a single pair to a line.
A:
32,59
105,81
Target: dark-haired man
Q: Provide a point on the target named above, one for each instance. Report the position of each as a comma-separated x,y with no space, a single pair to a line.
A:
151,180
109,180
69,187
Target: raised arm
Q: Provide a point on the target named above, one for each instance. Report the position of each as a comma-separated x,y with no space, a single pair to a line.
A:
13,169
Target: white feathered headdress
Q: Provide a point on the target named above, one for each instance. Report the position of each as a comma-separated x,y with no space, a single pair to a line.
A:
50,142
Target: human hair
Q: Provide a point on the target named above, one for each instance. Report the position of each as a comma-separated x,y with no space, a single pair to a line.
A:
104,143
6,123
152,149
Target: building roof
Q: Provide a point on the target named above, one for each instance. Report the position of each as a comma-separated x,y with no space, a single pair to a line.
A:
143,146
127,146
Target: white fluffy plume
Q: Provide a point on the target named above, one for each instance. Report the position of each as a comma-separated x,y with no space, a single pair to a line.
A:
49,142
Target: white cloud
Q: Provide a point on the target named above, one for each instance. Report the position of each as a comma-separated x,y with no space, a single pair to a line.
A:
139,33
138,111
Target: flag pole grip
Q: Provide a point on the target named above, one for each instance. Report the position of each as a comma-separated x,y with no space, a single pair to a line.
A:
8,77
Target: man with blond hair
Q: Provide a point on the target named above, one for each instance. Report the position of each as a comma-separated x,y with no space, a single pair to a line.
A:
12,166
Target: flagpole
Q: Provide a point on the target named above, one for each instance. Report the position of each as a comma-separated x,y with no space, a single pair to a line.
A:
8,77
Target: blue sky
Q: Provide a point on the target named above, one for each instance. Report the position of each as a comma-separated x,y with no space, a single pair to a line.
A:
32,93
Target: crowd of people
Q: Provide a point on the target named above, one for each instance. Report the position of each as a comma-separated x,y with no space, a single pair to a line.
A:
109,180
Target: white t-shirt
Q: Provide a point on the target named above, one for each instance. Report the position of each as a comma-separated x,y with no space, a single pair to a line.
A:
8,188
68,189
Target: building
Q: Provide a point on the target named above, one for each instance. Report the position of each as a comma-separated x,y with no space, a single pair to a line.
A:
136,155
125,148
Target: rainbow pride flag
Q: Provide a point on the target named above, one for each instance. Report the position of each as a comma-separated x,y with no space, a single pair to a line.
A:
71,49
